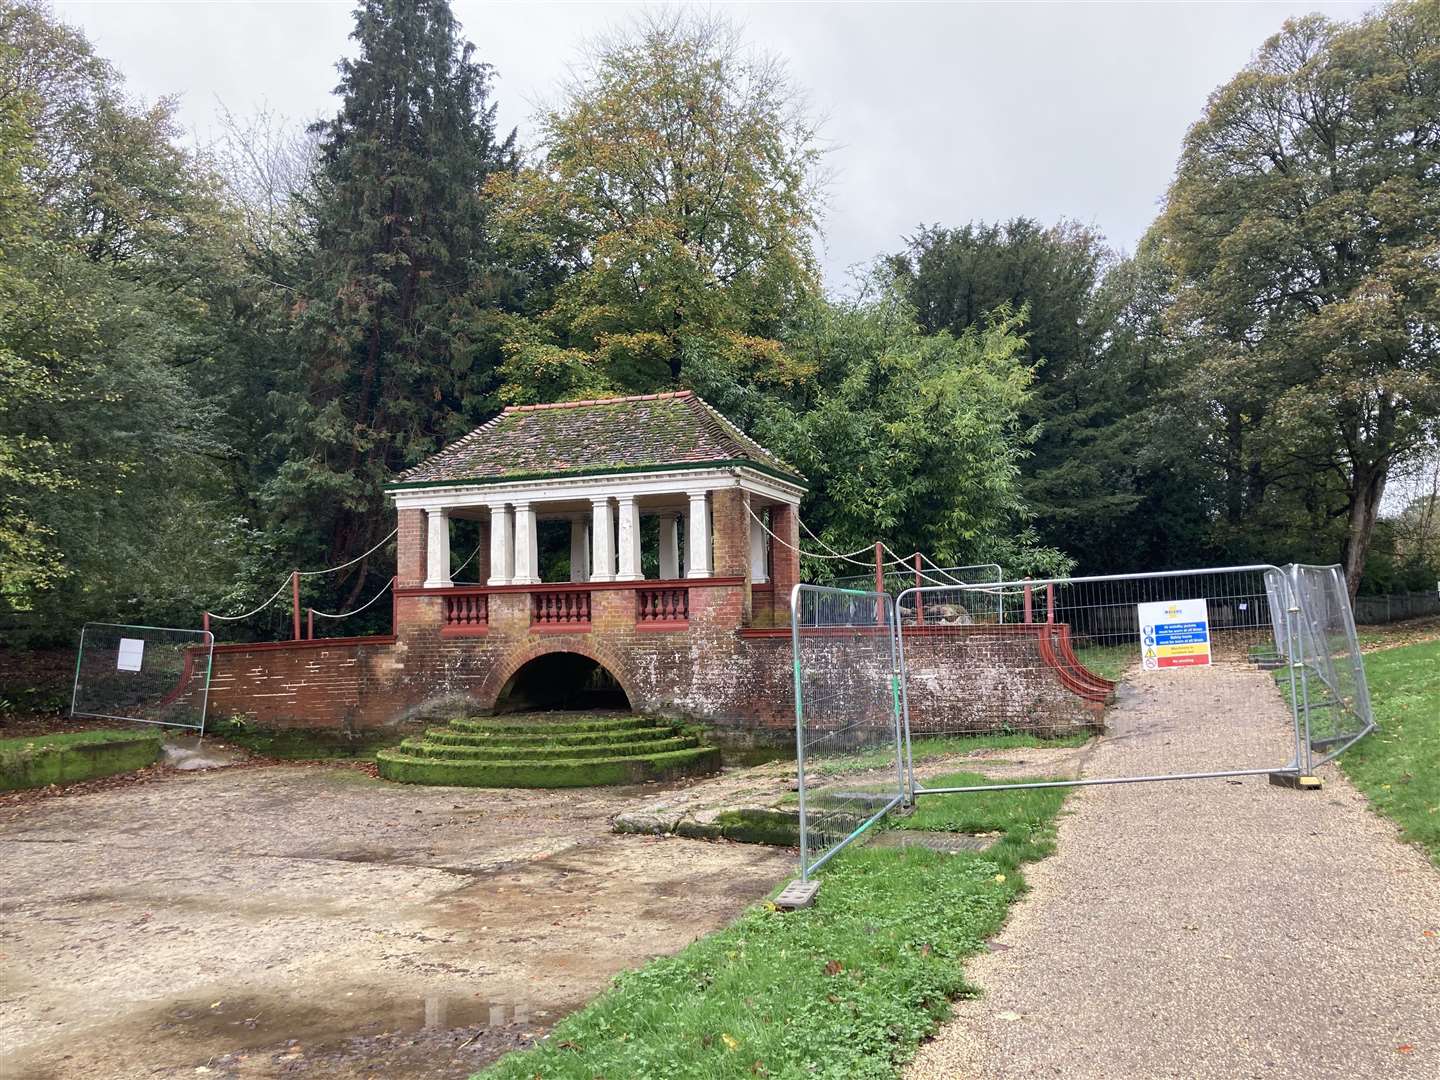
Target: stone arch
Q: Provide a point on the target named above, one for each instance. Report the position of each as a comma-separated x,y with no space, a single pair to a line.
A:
504,676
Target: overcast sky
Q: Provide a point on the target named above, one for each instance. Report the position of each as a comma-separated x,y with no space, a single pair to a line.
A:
936,113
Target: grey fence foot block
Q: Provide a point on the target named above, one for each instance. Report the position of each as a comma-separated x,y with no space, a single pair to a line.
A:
798,894
1296,781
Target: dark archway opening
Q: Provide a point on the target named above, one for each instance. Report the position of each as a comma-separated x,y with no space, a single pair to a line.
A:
561,680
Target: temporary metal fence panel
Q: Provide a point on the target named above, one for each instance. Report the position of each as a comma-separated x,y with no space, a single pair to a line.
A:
1047,657
847,716
1334,696
147,674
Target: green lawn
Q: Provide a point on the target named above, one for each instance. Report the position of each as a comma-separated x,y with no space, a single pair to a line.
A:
844,991
1108,661
1398,767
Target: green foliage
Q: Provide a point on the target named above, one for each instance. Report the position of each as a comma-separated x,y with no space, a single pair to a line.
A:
1080,476
843,990
110,241
674,209
1398,766
911,437
1302,228
398,295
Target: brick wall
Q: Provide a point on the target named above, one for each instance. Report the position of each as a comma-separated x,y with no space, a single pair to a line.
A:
961,678
784,556
410,548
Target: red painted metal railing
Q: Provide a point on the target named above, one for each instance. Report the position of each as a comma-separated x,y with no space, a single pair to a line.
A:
662,605
467,611
568,608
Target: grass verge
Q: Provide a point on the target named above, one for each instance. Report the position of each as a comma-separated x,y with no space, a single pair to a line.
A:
1398,767
844,990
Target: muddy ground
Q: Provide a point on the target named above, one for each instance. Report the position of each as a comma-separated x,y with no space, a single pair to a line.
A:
277,921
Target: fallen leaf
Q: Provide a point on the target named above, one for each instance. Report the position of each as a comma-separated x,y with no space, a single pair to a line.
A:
1007,1015
833,967
1000,879
731,1043
1405,1048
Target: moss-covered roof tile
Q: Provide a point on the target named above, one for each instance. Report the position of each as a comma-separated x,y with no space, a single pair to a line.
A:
629,434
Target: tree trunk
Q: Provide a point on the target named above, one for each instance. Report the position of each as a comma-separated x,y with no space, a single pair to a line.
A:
1367,488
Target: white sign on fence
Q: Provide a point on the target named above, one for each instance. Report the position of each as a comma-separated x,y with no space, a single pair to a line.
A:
1174,633
130,654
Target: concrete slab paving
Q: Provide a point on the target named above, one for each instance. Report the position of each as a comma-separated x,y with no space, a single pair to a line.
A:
1208,928
277,921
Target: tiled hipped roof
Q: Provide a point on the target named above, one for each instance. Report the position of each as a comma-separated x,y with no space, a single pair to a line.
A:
624,434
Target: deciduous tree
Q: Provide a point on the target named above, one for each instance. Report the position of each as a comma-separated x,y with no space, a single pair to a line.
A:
674,205
1304,230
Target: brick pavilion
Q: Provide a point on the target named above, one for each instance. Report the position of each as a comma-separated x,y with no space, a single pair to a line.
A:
634,551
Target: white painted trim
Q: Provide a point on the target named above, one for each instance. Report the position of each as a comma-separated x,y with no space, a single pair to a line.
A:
581,488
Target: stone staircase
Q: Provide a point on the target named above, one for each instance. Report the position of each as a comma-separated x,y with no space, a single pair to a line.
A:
539,750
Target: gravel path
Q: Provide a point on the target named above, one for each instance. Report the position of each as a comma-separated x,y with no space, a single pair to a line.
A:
1208,928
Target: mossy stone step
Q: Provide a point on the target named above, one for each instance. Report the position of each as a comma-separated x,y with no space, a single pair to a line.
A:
410,769
451,751
509,726
547,738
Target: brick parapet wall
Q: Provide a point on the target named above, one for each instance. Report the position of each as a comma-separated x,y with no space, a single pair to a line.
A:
971,678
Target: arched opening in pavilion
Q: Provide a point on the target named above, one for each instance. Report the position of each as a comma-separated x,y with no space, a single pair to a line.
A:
561,680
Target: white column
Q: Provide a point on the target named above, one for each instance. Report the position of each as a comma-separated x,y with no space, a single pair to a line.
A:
526,548
630,566
669,546
502,552
437,549
602,545
697,533
757,552
579,549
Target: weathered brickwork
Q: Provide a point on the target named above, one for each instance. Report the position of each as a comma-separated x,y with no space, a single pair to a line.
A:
715,646
970,678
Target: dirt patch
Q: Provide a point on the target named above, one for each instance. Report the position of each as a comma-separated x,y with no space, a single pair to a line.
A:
1375,637
272,921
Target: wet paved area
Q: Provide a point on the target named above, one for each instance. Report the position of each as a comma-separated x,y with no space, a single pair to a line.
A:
316,921
1211,928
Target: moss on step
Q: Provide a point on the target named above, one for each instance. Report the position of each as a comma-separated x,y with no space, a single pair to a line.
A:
70,758
539,725
584,772
546,752
538,737
303,744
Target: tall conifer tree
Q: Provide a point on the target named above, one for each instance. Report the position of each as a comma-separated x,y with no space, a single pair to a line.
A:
399,302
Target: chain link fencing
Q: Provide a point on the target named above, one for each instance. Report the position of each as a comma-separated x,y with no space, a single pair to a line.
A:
849,746
145,674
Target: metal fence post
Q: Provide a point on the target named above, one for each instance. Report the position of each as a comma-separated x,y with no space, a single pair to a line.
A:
799,726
